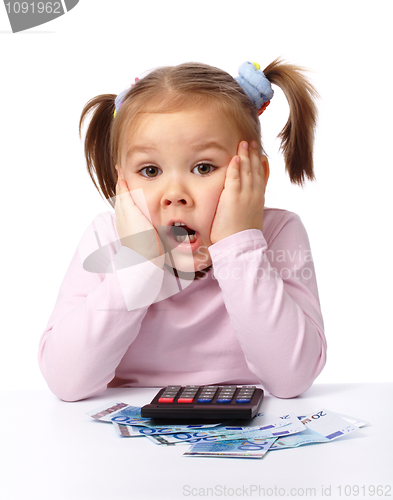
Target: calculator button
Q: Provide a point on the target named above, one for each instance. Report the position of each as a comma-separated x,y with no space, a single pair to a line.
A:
224,400
185,400
170,392
243,400
204,400
165,400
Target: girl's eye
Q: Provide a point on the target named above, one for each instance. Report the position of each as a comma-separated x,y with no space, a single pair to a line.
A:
204,168
151,171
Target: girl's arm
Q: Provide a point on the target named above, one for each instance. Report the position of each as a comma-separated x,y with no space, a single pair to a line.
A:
271,295
97,315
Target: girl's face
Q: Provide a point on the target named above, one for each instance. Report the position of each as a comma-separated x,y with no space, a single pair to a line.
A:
180,160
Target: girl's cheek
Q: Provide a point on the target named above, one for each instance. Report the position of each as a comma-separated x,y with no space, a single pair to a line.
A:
151,203
211,203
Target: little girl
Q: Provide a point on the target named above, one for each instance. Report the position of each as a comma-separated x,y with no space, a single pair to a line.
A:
191,280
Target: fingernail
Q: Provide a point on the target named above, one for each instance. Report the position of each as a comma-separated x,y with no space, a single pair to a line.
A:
254,145
245,145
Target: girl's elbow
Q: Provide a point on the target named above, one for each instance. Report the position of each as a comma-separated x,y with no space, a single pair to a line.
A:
69,390
72,395
295,384
290,391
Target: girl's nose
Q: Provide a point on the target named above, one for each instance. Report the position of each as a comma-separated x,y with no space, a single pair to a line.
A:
176,195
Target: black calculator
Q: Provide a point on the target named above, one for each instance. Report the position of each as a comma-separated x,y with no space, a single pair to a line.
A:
212,403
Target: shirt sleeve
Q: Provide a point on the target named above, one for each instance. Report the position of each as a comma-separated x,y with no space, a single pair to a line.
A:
97,315
270,293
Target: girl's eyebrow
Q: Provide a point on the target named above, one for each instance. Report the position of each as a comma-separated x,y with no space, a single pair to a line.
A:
139,149
208,145
197,147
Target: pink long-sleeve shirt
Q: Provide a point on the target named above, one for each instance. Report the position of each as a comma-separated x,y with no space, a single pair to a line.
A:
254,317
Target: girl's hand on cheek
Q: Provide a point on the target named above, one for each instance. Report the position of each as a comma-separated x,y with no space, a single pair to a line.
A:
241,203
134,229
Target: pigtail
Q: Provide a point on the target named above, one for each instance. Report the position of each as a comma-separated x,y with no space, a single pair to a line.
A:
297,136
99,159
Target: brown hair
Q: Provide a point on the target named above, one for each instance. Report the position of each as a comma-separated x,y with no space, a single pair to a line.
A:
168,89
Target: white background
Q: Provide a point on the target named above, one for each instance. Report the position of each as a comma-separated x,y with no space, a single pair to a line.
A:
48,74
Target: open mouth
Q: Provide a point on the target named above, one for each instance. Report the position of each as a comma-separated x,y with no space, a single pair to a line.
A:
183,233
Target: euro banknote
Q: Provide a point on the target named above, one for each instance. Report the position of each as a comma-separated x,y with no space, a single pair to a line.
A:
289,424
223,433
262,421
142,431
124,412
321,427
242,448
352,420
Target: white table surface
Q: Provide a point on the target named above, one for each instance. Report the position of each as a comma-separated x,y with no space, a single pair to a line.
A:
52,450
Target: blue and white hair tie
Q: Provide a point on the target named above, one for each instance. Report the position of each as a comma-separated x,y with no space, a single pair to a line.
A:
120,97
255,85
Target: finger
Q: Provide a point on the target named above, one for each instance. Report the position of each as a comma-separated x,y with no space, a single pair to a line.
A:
242,151
119,178
122,185
121,181
118,191
258,173
246,173
121,188
232,177
123,196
